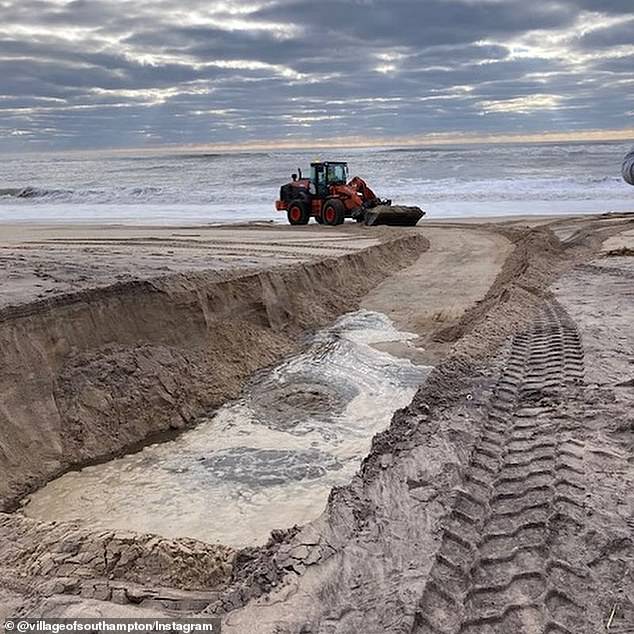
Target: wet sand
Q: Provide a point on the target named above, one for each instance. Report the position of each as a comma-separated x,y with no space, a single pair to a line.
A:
527,324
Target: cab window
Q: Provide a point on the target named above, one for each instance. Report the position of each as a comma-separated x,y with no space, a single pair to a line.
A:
337,173
317,174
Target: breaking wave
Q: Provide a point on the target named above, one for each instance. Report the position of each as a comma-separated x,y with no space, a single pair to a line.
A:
102,195
32,192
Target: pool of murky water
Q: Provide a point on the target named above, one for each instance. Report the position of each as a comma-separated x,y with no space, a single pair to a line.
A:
266,460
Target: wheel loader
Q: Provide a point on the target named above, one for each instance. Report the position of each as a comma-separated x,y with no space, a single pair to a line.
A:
329,197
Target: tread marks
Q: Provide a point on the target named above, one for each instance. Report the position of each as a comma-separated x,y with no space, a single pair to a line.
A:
442,606
528,477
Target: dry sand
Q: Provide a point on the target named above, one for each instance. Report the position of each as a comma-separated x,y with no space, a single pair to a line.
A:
446,280
498,501
40,261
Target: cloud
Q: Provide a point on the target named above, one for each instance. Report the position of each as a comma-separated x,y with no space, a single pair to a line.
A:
522,105
123,73
612,35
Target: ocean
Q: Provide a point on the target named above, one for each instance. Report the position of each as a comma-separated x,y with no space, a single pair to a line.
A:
446,181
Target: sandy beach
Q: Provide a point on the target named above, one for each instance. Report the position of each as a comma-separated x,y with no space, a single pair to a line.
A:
501,494
317,318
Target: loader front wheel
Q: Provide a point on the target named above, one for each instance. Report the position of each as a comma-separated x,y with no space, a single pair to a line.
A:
333,212
297,213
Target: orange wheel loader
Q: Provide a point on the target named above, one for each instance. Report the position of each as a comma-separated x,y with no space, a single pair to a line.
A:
329,197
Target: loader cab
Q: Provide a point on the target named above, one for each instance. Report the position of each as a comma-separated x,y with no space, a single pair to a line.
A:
322,175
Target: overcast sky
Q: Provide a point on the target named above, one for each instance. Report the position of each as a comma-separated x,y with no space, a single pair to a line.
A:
142,73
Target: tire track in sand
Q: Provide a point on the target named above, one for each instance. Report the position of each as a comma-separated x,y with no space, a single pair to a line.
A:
499,567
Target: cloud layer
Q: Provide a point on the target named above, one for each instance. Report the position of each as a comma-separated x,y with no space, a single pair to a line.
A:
144,73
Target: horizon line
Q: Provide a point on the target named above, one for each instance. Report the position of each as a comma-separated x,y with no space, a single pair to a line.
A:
354,142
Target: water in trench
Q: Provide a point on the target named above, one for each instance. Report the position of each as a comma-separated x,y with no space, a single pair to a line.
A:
267,460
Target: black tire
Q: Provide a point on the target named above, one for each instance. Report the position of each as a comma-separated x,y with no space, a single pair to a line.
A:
333,211
297,212
319,219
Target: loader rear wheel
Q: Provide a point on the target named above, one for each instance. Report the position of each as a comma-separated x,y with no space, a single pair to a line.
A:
333,212
297,213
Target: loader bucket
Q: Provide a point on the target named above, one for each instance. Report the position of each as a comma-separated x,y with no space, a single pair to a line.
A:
393,215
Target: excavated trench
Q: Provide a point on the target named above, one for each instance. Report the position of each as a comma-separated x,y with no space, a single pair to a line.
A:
91,375
94,375
265,461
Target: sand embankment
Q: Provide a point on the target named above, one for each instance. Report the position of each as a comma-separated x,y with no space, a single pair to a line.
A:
44,261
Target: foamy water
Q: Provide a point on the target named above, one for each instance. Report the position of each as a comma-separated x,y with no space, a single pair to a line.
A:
267,460
475,180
